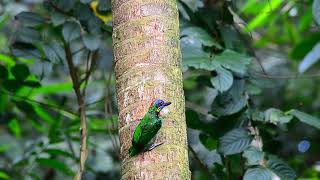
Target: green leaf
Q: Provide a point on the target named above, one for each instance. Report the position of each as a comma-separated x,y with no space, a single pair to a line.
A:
30,19
55,164
54,52
12,85
193,4
264,16
305,118
258,173
14,126
199,36
316,10
4,175
276,116
208,141
3,72
234,61
224,79
92,42
235,141
58,18
25,107
66,5
253,155
71,31
28,35
310,59
280,168
305,46
25,50
85,1
42,69
20,71
231,101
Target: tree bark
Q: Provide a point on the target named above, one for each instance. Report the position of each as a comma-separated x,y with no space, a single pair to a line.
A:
148,66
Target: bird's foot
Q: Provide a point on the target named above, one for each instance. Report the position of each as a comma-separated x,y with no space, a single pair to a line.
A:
154,146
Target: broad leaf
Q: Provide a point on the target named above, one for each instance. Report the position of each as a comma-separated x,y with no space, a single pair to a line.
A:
14,127
235,141
253,155
28,35
280,168
71,31
231,101
66,5
193,4
58,152
199,35
224,79
30,19
12,85
25,50
33,84
305,118
316,10
276,116
234,61
58,18
258,173
92,42
54,52
310,59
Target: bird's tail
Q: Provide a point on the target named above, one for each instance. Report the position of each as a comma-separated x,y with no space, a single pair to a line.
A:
133,151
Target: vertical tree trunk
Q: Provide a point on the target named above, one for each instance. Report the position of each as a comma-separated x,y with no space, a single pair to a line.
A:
147,66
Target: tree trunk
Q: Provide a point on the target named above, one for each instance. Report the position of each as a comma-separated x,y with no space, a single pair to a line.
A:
147,66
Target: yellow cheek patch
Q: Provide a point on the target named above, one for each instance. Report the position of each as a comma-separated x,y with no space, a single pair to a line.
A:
159,109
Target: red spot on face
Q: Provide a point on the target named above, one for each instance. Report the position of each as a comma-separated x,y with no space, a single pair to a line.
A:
152,103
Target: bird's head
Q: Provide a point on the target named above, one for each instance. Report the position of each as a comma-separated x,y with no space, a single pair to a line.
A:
157,105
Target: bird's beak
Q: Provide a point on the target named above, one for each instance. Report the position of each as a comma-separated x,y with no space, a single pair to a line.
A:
166,104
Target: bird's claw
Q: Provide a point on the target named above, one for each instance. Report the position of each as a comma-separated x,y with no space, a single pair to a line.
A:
154,146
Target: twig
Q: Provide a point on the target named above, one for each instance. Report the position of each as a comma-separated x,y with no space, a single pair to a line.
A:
295,76
82,111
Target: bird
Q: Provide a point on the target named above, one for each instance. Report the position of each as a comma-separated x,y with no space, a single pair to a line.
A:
102,9
145,132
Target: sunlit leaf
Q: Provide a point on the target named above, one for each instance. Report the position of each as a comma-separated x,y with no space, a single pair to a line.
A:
4,175
14,126
310,59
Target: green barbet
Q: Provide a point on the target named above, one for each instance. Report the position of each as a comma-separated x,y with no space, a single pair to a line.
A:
144,135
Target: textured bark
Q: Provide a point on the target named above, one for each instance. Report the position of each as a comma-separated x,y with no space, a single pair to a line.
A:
147,66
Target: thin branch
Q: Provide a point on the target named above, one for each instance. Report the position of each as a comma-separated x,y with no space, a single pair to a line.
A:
49,106
82,112
295,76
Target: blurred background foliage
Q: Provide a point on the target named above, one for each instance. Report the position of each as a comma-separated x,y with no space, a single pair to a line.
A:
250,78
